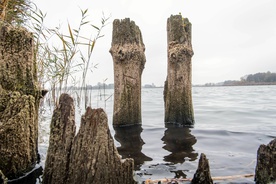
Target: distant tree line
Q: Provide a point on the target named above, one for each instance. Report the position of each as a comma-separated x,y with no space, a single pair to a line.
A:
255,79
261,78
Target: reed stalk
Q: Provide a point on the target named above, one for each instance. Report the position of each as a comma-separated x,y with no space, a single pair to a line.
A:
59,65
59,57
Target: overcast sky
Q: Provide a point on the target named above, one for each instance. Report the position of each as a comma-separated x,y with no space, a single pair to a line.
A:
230,38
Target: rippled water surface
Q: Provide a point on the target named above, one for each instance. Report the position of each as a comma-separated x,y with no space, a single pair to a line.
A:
230,124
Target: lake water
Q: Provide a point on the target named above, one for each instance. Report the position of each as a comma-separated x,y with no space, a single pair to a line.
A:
230,124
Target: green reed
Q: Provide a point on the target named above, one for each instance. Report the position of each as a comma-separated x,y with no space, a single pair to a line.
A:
60,57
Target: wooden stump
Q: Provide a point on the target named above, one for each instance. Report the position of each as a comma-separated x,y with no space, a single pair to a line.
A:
88,157
178,86
19,102
94,157
127,50
202,175
266,163
63,130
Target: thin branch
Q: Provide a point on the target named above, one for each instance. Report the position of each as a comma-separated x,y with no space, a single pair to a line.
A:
165,180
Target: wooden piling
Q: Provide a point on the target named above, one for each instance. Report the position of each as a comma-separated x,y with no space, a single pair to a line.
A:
88,157
63,131
178,85
127,50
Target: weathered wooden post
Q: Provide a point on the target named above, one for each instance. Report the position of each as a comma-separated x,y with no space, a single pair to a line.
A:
19,102
88,157
127,50
63,131
266,163
178,85
94,146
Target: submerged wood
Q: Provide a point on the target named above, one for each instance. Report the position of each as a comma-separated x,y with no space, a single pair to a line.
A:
202,175
127,50
19,102
178,85
88,157
266,163
3,179
29,178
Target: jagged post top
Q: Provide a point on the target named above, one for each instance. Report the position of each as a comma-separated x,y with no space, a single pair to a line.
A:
126,31
179,31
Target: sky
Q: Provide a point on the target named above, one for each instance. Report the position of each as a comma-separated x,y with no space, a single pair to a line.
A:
230,39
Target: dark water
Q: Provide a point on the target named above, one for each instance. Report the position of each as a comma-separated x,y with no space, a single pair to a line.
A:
230,124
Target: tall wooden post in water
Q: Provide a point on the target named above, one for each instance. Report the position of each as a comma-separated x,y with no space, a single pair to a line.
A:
177,92
127,50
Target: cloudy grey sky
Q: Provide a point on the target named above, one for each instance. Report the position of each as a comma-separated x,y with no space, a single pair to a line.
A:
230,38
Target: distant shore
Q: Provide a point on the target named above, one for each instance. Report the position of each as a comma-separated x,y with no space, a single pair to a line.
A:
236,84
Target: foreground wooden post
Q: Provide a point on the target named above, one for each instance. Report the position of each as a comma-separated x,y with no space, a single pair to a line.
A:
19,102
88,157
127,50
178,86
63,130
266,163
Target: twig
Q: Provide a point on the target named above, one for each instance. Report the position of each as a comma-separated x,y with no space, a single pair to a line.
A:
233,177
149,181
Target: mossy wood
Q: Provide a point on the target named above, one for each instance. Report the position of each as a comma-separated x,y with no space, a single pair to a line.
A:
266,163
88,157
19,102
178,85
62,132
202,175
127,50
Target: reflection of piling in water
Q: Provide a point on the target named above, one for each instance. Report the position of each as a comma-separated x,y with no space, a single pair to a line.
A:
179,141
131,144
177,92
127,50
